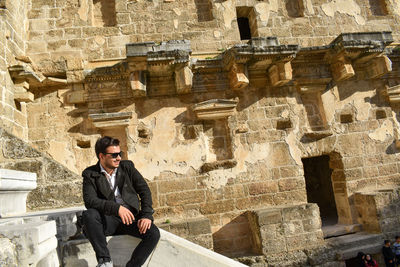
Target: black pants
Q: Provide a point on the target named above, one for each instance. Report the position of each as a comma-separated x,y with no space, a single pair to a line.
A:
97,226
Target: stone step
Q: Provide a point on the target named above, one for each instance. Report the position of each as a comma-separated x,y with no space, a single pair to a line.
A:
373,248
36,241
349,245
340,229
171,251
65,219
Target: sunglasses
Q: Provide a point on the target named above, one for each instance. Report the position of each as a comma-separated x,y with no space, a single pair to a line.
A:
115,155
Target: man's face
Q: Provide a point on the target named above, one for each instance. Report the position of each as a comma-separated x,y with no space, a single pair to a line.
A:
107,159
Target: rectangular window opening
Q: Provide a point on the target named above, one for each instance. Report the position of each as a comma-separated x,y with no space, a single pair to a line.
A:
247,22
295,8
378,7
104,14
204,10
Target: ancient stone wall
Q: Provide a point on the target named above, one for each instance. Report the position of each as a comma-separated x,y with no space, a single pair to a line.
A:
215,133
223,148
377,210
12,44
95,30
53,179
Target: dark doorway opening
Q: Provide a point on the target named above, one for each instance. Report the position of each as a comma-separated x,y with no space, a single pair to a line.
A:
244,28
319,187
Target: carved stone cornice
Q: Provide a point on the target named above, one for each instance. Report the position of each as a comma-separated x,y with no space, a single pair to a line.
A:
361,52
116,72
25,78
110,120
161,63
215,109
260,53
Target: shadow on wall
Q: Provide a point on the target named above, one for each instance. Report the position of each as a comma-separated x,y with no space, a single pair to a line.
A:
204,10
235,238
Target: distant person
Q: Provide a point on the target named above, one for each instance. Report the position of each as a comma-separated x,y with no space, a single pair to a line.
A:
370,262
360,259
396,250
110,192
388,254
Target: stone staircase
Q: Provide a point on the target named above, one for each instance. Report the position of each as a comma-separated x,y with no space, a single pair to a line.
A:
171,251
340,229
348,246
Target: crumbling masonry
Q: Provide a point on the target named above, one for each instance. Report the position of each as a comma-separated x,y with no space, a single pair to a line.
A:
262,127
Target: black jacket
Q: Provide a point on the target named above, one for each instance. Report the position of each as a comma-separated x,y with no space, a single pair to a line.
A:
97,193
388,253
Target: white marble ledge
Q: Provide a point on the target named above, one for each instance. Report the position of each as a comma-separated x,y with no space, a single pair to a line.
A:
11,180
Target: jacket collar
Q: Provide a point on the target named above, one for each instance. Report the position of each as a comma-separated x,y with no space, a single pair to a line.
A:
104,185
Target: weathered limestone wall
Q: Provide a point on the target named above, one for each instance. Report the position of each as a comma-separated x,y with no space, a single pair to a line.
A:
95,30
220,167
280,231
377,210
268,169
53,179
13,22
54,128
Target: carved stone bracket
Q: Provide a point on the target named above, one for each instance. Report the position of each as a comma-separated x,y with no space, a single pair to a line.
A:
160,62
110,120
24,73
378,67
183,80
265,54
76,97
361,52
342,68
138,81
280,73
25,78
215,109
238,77
393,94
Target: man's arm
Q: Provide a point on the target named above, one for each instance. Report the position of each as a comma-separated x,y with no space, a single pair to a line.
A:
143,190
92,201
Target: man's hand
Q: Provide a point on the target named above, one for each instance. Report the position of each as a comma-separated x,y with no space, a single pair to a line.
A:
126,215
143,225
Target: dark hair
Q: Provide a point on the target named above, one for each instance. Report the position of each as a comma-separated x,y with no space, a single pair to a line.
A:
104,142
386,241
397,236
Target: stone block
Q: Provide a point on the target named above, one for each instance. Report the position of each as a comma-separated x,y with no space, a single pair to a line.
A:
24,96
177,185
183,80
187,197
39,25
199,226
378,67
76,97
8,255
42,3
269,216
288,184
280,73
238,79
11,180
138,82
217,207
263,188
37,47
342,70
35,240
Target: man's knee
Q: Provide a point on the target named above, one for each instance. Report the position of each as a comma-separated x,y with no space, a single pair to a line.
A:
153,233
90,215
